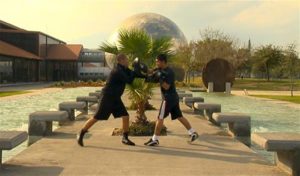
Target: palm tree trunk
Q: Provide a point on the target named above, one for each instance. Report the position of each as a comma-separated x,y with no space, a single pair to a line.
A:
140,113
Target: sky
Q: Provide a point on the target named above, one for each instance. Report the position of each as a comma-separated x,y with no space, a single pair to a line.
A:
91,22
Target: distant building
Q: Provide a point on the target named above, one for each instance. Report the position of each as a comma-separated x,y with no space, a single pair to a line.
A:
30,56
92,65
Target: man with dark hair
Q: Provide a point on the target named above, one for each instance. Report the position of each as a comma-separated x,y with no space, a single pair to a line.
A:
170,102
110,100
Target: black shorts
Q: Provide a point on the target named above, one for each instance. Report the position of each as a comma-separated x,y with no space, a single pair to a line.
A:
110,105
168,107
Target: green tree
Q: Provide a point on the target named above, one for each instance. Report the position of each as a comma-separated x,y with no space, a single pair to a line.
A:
266,58
291,65
137,43
185,58
216,44
212,44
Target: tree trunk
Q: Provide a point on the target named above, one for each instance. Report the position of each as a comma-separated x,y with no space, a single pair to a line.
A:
292,86
186,76
140,113
268,74
193,76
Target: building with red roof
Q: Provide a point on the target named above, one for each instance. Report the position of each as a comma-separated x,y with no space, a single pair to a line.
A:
29,56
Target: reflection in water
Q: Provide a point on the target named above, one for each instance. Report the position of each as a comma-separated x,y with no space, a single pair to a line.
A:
14,113
266,116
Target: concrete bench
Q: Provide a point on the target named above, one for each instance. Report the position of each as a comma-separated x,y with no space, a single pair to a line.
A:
96,94
181,95
239,125
189,101
207,109
286,146
40,123
197,90
11,139
180,91
88,100
70,107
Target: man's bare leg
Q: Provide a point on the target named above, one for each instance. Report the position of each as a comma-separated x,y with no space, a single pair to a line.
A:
125,124
158,126
154,140
185,122
194,135
88,124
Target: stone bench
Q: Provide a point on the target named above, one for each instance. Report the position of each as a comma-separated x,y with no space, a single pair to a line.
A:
239,125
189,101
70,107
286,146
11,139
88,100
180,91
181,95
197,89
40,123
96,94
207,109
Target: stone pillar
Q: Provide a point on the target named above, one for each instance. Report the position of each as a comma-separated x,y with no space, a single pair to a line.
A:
0,158
86,108
241,131
228,88
197,111
289,161
210,87
208,115
37,129
71,112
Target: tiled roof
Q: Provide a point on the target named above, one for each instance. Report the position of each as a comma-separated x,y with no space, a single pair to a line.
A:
63,52
10,50
5,25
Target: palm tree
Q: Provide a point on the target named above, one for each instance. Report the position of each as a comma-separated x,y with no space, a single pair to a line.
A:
137,43
138,93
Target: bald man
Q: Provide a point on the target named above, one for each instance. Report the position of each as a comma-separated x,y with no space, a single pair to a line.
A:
110,100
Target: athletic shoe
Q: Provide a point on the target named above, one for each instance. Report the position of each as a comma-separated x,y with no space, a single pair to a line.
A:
194,136
80,137
126,141
152,142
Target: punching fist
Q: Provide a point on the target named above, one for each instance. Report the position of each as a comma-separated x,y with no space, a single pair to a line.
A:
158,75
140,69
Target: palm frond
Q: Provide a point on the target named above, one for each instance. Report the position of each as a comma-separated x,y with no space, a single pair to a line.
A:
135,43
110,48
139,90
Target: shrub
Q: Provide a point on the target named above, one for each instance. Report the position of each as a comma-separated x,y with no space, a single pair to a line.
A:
137,129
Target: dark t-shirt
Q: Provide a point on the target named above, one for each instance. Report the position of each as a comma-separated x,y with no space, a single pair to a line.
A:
117,80
170,94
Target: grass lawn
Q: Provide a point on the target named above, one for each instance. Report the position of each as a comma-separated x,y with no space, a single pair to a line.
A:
262,84
10,93
294,99
257,84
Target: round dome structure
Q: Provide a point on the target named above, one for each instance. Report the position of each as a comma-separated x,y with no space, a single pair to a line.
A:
155,25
